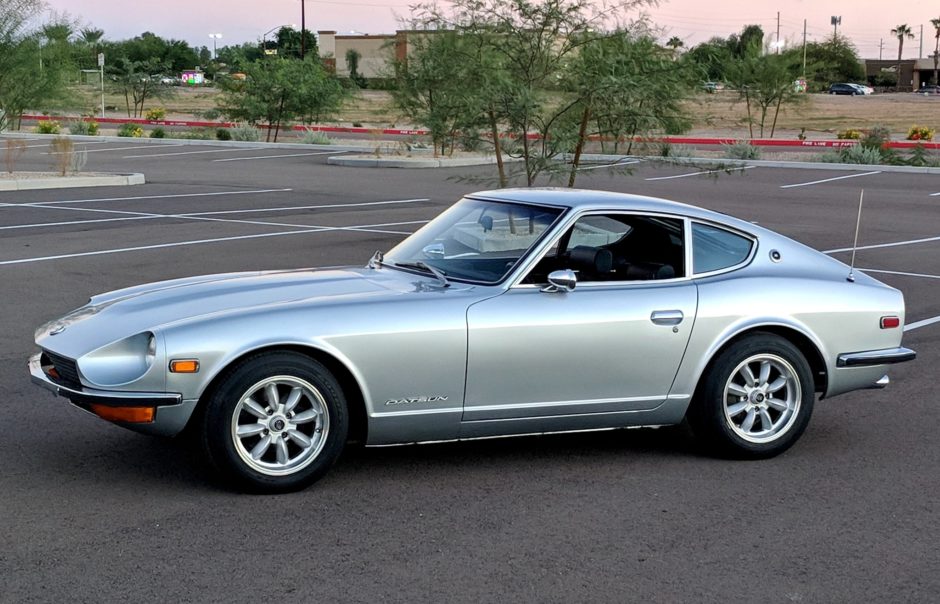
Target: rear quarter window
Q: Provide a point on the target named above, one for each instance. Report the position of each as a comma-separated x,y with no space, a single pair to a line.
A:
714,249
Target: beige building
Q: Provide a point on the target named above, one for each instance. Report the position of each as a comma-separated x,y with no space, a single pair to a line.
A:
375,51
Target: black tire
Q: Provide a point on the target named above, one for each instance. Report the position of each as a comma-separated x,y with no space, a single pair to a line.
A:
739,411
298,452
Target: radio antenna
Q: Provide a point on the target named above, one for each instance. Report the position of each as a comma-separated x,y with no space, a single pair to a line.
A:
858,221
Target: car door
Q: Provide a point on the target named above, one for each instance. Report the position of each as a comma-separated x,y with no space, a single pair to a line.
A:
612,344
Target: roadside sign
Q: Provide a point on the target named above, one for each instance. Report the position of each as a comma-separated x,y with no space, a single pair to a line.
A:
100,59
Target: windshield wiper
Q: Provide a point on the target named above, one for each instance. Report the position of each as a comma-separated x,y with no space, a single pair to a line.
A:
418,264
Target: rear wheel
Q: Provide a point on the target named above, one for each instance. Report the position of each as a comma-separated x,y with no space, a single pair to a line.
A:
276,423
755,399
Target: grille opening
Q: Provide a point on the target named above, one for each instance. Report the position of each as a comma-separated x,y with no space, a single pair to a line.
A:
62,370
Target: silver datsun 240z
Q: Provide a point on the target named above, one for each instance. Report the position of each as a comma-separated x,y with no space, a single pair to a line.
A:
513,312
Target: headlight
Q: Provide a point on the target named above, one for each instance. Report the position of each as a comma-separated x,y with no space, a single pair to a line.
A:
121,362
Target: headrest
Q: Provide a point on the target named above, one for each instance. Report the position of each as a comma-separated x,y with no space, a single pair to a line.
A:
591,259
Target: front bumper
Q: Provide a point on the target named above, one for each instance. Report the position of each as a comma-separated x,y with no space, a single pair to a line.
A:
886,356
85,397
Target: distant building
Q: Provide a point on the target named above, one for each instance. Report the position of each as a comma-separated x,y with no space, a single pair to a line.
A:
913,73
376,51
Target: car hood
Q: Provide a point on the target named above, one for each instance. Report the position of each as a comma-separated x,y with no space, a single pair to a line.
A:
123,313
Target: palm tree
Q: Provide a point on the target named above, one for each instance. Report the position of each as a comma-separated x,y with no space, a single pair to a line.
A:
936,50
675,42
90,36
901,31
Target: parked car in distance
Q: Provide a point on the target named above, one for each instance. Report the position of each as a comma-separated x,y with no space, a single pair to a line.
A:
928,90
850,89
513,312
713,86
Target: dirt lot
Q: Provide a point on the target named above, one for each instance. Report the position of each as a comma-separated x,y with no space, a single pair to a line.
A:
721,114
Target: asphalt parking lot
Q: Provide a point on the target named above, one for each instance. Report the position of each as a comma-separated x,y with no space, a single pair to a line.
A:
91,512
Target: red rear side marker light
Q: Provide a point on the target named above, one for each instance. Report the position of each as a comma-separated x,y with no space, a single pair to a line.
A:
890,322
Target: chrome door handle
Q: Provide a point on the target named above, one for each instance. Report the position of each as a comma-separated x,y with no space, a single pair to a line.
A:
667,317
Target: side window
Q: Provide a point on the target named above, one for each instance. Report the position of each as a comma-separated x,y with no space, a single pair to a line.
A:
714,248
617,247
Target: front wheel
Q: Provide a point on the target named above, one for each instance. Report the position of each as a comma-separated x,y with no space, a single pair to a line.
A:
755,399
276,423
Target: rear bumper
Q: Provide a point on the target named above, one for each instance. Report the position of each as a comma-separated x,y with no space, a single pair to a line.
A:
886,356
85,397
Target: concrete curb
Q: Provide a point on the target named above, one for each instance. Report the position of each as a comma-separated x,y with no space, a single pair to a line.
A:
78,138
719,163
408,162
69,182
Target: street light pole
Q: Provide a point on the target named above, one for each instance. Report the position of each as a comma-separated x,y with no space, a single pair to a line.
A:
215,37
303,28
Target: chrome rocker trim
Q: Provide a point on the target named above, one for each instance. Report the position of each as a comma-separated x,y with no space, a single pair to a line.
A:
88,396
868,358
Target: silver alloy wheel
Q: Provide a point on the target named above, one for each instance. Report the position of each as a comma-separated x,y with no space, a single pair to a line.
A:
280,425
762,398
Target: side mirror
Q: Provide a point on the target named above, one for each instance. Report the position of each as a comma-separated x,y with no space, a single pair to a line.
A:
434,251
561,281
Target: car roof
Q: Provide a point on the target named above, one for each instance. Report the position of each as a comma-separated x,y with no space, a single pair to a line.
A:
587,199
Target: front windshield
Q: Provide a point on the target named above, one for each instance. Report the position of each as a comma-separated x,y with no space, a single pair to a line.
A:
476,240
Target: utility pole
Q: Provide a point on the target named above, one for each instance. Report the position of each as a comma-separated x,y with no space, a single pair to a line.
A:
778,32
303,29
804,49
921,53
836,22
881,47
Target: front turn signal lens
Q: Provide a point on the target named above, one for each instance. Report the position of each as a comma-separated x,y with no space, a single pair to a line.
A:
131,415
184,366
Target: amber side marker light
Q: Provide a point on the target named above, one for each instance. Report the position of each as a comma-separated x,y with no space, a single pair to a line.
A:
890,322
131,415
184,366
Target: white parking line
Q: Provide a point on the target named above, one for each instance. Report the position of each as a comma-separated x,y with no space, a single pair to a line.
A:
366,228
50,144
620,163
114,149
919,324
232,150
732,169
882,245
817,182
142,197
127,216
277,156
935,194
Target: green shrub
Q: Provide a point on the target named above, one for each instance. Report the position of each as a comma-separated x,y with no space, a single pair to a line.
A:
80,126
131,130
859,154
158,133
674,150
157,113
48,127
196,134
876,137
223,134
315,137
245,132
850,134
741,150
